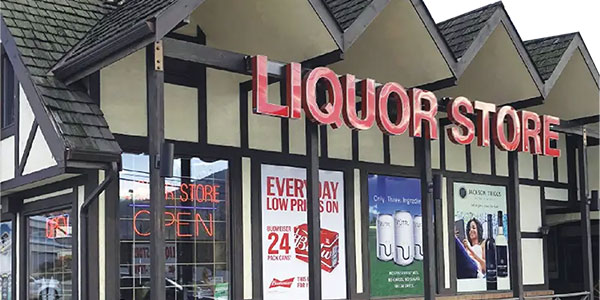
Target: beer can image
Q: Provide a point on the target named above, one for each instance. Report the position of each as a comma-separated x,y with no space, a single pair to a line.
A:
385,237
418,226
403,238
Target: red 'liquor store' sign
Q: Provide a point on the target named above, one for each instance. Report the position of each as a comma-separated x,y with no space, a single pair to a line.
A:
511,130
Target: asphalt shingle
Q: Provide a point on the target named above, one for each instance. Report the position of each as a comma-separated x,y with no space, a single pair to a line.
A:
345,12
546,52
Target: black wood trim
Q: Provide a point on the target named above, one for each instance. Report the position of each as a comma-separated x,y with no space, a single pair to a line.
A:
468,159
584,207
256,219
386,149
323,141
236,232
514,226
531,235
27,150
285,122
555,168
8,185
545,237
536,170
244,130
112,241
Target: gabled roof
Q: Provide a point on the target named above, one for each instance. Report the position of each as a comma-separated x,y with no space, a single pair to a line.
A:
346,12
461,31
546,52
43,31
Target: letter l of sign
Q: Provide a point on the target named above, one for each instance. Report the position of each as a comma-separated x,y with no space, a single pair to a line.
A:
260,90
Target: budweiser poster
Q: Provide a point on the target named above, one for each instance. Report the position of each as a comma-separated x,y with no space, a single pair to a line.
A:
395,236
285,236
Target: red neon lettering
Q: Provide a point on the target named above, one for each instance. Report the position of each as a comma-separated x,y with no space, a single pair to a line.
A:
134,222
179,223
184,195
210,223
367,104
464,130
170,214
530,134
57,223
483,122
293,81
328,114
403,106
548,135
514,129
418,114
260,90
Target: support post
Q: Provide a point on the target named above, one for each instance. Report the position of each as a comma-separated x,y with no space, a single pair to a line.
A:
423,159
584,206
156,136
312,211
514,226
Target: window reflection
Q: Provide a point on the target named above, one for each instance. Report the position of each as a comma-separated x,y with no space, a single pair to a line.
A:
5,260
196,226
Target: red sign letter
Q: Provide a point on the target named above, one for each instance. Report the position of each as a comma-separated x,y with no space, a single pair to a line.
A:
529,134
483,122
514,129
464,130
330,112
548,135
403,104
260,90
367,104
427,115
293,82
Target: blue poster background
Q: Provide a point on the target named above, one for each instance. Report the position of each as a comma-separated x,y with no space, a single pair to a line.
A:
388,194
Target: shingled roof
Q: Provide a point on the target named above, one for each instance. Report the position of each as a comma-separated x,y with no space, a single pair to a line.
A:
345,12
460,31
44,30
546,52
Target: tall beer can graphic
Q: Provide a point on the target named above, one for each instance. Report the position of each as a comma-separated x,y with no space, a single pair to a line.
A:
385,237
418,226
403,238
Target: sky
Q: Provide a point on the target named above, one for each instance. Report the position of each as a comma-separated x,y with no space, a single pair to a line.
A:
536,18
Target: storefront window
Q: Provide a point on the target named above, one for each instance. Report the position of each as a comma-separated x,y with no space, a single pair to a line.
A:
50,255
196,228
5,260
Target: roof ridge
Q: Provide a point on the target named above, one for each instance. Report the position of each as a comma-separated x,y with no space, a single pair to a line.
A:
551,37
497,3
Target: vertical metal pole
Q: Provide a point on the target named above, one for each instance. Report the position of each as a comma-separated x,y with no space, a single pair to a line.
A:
312,211
514,226
584,206
156,122
423,153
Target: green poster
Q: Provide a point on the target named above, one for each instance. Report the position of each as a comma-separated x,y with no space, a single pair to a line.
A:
222,291
395,236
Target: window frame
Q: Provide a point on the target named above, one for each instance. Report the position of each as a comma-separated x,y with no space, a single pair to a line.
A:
9,217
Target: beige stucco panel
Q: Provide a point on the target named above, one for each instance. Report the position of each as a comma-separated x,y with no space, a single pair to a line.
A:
370,145
339,142
593,161
402,150
481,159
562,160
533,254
123,94
395,47
223,107
525,165
181,113
285,30
456,159
545,168
7,167
40,155
26,118
264,132
501,162
497,74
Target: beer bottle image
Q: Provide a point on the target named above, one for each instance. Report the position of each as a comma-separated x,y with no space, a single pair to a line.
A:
501,248
385,237
490,257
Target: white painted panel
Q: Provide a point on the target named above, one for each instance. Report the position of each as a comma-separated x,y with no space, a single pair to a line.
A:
402,150
545,168
123,94
247,226
445,233
531,208
593,170
181,113
456,159
101,239
532,251
525,165
7,149
551,193
339,142
49,195
223,107
501,162
26,118
80,200
40,156
435,154
358,232
370,145
552,220
298,135
264,132
480,159
562,160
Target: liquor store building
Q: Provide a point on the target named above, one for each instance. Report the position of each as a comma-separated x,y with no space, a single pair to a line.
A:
229,136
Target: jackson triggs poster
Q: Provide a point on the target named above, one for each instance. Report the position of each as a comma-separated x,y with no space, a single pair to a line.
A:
285,233
395,236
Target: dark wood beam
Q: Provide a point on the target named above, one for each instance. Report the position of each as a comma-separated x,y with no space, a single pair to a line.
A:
27,150
156,136
584,206
514,226
312,210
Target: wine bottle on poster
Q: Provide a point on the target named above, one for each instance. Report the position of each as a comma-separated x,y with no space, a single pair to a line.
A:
501,249
490,257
